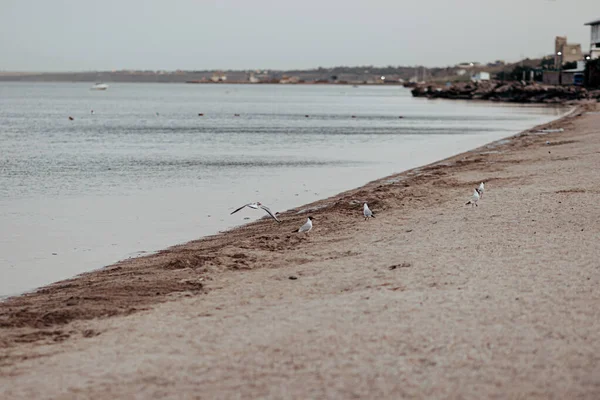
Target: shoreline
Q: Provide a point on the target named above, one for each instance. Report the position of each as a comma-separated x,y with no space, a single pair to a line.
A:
63,316
152,253
315,205
177,218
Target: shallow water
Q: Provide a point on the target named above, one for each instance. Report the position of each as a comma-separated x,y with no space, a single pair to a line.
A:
145,171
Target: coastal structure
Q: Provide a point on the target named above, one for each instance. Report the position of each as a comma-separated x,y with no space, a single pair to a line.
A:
469,64
594,38
565,52
289,79
512,92
481,76
218,77
574,76
497,63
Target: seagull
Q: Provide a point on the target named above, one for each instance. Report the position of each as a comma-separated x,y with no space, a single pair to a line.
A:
367,212
474,199
256,206
306,227
481,189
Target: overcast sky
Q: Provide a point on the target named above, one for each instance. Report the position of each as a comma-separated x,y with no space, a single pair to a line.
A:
73,35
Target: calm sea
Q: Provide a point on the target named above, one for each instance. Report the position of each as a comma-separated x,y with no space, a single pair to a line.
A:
145,171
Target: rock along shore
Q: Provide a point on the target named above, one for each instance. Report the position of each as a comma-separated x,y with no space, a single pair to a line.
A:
514,92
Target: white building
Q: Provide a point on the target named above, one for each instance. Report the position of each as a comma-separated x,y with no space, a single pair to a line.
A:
595,39
466,65
481,76
216,77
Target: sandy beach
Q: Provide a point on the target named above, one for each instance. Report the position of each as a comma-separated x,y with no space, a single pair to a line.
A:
431,299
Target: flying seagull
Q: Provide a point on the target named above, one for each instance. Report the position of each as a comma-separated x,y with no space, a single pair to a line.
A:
367,212
481,189
306,227
474,199
256,206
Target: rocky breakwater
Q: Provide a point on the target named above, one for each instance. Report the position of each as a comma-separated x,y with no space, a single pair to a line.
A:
516,92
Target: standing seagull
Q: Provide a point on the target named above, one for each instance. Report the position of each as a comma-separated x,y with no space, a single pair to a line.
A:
306,227
367,212
474,199
256,206
480,190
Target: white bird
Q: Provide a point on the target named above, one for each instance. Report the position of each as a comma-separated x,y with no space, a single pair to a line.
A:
474,199
306,227
256,206
367,212
481,189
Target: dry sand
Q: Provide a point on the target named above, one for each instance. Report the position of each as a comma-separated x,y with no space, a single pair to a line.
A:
432,299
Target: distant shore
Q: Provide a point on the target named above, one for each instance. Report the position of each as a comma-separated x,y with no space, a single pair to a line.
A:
432,298
352,75
190,78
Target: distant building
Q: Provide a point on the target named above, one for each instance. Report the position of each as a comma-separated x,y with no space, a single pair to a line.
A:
218,77
481,76
595,39
574,76
470,64
569,52
289,79
550,77
391,79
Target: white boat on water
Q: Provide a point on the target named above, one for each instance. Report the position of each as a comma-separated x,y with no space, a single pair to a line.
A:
99,86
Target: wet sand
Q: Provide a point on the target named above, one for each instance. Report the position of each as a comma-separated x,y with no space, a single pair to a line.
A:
432,299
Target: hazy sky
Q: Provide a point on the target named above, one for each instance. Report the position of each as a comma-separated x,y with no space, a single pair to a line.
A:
61,35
